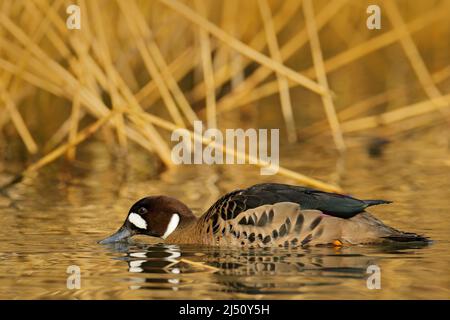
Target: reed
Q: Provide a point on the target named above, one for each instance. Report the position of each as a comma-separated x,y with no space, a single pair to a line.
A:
299,39
321,75
140,70
272,42
417,63
243,48
208,73
340,60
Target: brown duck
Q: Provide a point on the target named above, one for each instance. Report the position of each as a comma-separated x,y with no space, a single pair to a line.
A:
263,215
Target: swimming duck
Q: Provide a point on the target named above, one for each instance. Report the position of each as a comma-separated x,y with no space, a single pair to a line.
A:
263,215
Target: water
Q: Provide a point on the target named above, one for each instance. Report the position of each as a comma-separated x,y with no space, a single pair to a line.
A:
54,220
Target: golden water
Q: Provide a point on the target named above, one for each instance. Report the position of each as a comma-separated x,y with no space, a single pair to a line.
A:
55,219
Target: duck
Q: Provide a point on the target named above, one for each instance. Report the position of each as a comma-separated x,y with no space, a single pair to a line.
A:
263,215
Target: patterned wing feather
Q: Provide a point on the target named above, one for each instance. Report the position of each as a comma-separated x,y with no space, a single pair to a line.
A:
280,224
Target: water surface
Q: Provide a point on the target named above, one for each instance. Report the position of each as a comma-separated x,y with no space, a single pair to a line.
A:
54,220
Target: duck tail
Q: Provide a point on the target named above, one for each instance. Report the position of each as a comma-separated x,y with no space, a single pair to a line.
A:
375,202
407,237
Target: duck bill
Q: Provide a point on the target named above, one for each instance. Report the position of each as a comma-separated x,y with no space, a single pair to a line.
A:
122,234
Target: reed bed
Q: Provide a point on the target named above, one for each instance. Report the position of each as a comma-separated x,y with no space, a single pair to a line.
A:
137,70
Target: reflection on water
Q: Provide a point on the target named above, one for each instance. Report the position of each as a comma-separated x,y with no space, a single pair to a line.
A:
55,219
252,271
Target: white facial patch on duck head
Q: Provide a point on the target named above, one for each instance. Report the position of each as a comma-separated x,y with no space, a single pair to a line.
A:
137,220
173,224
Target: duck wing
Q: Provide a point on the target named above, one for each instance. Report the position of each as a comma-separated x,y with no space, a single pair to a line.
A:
332,204
280,224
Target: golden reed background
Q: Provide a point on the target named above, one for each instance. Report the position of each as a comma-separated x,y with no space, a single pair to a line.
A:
136,70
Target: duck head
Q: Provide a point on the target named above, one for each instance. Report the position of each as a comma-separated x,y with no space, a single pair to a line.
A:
156,216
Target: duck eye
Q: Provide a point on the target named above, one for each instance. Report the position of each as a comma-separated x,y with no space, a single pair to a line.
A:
142,210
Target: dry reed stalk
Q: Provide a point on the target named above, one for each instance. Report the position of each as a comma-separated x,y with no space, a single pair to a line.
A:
418,123
95,78
152,68
96,108
155,52
225,58
51,75
140,139
18,122
441,75
223,54
380,41
30,78
23,59
47,10
159,145
87,98
321,74
162,87
124,65
59,44
74,119
332,64
63,131
26,91
21,36
240,155
285,99
398,114
58,152
360,107
208,73
40,82
147,129
81,50
13,86
37,70
353,110
105,58
146,139
48,65
179,67
70,126
243,48
225,73
414,56
248,87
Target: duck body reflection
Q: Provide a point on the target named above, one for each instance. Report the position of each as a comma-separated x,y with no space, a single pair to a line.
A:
250,271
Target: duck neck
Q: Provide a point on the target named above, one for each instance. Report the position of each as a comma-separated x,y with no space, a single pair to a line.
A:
186,232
